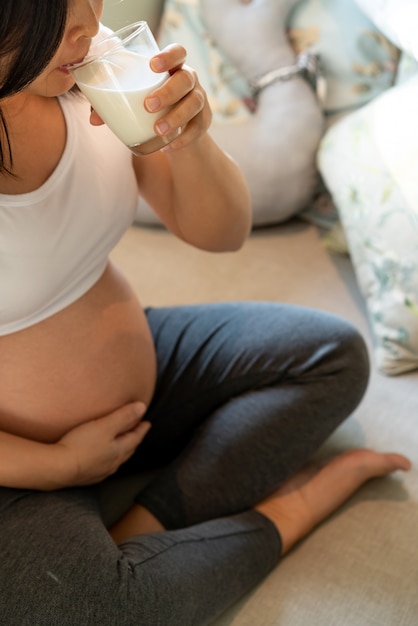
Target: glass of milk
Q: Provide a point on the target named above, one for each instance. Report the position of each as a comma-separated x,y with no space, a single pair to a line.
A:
116,77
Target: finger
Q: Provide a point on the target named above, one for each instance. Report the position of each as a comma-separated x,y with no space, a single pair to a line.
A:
187,136
95,119
129,441
137,434
171,92
125,419
191,116
185,110
170,59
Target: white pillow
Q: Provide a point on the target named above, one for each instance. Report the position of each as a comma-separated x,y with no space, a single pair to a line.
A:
274,138
369,162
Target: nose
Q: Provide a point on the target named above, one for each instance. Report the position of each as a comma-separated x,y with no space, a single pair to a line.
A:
83,21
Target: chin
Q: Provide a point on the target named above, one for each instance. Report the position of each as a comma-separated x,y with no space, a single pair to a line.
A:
61,86
54,85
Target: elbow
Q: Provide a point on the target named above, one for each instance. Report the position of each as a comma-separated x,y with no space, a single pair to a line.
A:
239,232
236,235
230,239
238,241
245,223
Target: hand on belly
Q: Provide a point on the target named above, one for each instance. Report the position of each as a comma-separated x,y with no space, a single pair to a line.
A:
91,452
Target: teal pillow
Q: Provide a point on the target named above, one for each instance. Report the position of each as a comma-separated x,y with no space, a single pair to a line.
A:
359,61
398,19
407,68
227,91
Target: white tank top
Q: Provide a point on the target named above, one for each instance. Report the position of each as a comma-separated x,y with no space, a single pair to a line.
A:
55,241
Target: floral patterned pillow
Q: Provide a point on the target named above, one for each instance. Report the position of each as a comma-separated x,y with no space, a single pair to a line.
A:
369,161
227,90
359,62
398,19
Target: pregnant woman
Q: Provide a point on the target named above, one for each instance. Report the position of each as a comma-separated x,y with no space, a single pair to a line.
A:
227,402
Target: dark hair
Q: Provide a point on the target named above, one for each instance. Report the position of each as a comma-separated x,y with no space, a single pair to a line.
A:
30,33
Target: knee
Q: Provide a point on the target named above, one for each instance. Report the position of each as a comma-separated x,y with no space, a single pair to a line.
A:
355,350
352,360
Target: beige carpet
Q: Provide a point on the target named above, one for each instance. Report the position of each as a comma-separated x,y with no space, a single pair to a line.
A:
361,567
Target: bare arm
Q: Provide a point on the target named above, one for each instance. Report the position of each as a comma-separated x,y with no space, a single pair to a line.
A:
196,189
85,455
199,194
26,464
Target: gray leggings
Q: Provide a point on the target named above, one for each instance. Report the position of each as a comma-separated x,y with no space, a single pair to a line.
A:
246,394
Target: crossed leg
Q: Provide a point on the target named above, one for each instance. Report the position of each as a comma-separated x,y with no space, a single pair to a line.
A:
302,502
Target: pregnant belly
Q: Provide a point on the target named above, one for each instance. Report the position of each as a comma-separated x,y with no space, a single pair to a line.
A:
84,362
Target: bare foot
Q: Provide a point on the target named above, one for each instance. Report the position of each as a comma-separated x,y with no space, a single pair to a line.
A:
311,495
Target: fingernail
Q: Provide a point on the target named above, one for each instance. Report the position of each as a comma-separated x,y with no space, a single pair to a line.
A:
157,64
152,104
139,408
162,127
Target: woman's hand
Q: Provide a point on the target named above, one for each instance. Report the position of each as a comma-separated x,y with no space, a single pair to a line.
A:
190,110
94,450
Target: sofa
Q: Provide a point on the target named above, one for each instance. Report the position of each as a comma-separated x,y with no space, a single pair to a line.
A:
360,567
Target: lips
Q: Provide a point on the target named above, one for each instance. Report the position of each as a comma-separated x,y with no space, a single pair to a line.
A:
65,68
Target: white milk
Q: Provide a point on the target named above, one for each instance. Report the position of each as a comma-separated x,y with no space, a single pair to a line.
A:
116,88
